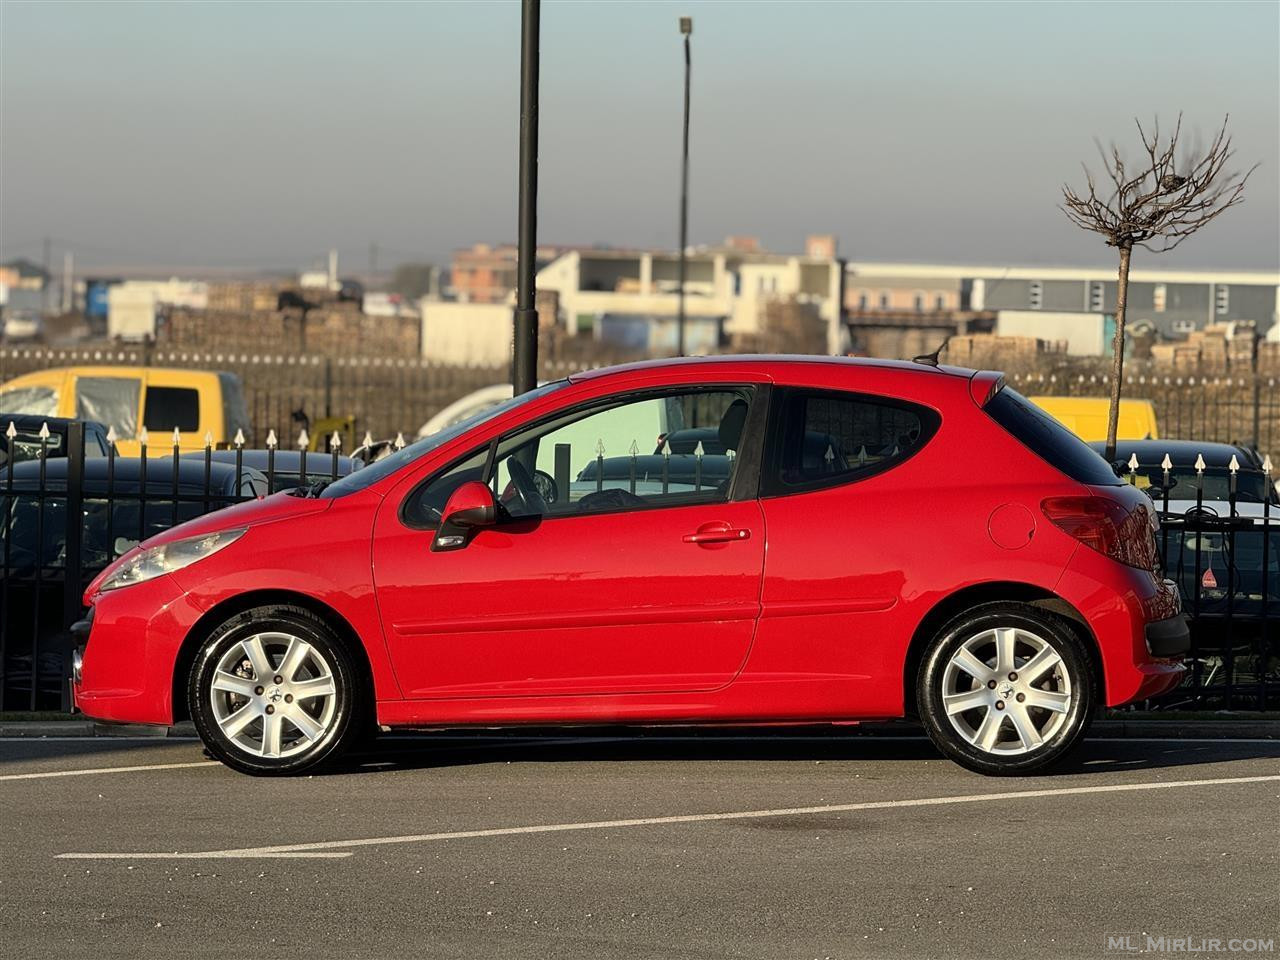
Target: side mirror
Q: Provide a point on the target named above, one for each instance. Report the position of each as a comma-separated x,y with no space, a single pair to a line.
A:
468,508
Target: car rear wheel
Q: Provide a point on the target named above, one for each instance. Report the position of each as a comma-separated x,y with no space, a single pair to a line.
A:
273,691
1006,689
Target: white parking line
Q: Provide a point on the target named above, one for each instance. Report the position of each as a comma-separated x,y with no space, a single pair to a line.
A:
311,849
84,773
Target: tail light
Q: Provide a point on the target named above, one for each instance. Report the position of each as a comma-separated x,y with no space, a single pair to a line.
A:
1109,527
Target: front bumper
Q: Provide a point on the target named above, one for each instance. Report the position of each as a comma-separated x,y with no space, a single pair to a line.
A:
126,650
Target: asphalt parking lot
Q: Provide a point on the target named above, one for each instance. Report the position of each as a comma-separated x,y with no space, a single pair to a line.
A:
671,846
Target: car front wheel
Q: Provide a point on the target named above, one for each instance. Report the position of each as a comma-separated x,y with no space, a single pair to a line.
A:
273,691
1006,689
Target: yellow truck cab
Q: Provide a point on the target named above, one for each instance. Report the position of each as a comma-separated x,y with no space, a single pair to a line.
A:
130,399
1086,417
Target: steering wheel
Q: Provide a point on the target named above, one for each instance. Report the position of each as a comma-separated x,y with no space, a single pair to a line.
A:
527,495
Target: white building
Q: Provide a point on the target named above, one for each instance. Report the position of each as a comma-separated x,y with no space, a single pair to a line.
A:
467,334
379,304
1085,334
133,306
1173,302
632,296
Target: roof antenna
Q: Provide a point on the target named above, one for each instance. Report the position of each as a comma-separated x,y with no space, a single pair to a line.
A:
931,359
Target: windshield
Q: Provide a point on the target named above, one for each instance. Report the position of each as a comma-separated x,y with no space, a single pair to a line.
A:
367,476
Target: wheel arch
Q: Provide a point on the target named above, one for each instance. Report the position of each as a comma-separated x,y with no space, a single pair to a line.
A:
228,608
971,596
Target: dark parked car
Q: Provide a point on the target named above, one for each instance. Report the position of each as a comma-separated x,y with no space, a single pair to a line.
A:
284,471
1224,557
1253,485
118,513
20,437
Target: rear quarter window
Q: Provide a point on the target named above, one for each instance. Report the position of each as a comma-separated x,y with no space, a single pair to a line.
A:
823,439
1048,439
170,408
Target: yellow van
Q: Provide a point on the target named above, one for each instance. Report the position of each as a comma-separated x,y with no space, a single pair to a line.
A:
1086,417
129,399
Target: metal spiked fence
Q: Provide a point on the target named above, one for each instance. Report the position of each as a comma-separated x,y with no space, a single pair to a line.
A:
66,516
1226,563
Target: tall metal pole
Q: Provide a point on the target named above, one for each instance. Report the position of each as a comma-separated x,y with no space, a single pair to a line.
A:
524,354
686,28
48,282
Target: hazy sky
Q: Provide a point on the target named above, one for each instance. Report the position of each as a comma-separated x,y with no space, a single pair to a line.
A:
259,134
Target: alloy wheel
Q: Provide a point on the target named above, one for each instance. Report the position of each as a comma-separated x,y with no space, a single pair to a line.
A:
273,695
1006,691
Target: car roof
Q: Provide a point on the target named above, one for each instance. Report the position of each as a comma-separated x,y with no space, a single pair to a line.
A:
126,471
1183,452
765,361
286,461
32,421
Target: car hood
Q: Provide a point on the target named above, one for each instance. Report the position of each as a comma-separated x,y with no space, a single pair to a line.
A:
278,506
251,513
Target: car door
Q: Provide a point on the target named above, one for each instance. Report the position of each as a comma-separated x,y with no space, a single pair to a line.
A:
617,576
845,501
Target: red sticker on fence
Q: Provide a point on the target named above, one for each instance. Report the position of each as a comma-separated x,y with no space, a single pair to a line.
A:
1209,581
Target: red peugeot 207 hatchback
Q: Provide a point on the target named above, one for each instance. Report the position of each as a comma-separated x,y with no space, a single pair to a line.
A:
693,541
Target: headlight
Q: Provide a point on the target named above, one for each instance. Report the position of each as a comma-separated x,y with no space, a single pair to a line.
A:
168,557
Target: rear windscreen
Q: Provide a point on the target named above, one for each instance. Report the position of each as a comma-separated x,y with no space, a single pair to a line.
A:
1048,439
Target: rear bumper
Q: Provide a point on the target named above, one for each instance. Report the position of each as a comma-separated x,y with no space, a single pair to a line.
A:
1137,622
1169,638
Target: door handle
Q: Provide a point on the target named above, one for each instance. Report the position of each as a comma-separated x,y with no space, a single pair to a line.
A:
717,533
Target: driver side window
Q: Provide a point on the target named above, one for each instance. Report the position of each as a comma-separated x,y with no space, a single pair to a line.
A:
424,506
663,450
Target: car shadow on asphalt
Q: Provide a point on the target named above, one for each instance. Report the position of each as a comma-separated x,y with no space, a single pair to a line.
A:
427,750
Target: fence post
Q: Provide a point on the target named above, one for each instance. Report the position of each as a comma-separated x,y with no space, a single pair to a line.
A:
73,574
1257,410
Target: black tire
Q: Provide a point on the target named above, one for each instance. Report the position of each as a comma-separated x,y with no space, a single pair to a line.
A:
340,724
1029,737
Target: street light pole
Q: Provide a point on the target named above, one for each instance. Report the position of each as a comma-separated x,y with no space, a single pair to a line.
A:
686,29
524,354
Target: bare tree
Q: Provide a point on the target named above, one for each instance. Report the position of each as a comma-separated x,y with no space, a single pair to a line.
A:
1155,204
